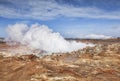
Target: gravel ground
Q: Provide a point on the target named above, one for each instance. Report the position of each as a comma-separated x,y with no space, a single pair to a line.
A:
99,63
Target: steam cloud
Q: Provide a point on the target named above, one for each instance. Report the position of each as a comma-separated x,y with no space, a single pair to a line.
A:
40,37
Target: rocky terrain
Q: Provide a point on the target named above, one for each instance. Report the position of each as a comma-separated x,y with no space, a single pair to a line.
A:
99,63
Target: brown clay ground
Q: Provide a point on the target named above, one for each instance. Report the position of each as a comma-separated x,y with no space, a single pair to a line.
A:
99,63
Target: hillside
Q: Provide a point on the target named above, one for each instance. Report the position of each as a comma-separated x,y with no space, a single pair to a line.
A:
99,63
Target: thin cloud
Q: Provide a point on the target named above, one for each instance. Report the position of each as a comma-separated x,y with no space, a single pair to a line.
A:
50,9
97,36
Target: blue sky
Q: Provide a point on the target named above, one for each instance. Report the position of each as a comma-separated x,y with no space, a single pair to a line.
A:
71,18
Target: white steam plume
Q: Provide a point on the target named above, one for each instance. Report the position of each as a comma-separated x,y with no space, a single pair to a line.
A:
40,37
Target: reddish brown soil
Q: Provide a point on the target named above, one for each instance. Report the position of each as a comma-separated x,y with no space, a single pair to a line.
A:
99,63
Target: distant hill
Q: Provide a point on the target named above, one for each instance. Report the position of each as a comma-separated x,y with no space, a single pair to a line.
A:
111,40
1,40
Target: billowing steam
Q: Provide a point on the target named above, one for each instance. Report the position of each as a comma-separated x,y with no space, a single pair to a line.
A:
40,37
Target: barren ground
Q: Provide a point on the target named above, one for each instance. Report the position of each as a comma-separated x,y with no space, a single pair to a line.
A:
99,63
